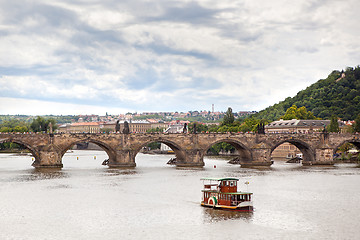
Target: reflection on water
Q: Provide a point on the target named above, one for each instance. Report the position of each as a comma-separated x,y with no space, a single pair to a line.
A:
41,174
117,172
59,186
217,215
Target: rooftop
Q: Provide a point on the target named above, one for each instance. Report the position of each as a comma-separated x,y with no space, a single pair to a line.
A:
220,179
300,123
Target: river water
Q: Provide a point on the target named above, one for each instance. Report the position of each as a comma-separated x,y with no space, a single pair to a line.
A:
86,200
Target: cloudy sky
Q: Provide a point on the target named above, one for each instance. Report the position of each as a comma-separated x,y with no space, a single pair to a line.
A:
97,56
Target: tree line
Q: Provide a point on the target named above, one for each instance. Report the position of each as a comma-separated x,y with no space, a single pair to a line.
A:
338,94
39,124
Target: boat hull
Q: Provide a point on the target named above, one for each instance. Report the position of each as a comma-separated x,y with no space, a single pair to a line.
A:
239,208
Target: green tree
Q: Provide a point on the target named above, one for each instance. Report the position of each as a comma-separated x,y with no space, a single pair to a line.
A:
294,112
334,124
21,129
53,123
154,145
5,129
154,130
38,124
357,124
41,124
13,125
249,125
228,117
200,127
222,146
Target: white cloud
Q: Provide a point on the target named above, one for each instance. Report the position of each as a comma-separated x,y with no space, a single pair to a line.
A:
171,55
34,107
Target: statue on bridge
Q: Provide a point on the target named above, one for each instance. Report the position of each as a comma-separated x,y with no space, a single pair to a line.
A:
261,128
185,128
51,133
117,126
325,133
126,129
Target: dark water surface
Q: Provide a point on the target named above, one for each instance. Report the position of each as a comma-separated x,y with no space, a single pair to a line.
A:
86,200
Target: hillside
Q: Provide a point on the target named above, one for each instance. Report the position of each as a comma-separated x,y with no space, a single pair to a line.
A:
338,94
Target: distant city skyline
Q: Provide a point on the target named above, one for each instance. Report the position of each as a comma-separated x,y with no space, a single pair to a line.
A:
74,57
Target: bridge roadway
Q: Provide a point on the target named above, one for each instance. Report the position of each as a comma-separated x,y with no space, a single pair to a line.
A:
190,149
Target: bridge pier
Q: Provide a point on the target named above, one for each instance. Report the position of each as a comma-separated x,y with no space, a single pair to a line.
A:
122,159
323,156
48,157
261,156
191,158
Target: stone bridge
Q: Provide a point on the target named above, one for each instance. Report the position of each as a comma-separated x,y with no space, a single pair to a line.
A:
190,149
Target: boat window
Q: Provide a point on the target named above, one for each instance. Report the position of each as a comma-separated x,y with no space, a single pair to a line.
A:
231,183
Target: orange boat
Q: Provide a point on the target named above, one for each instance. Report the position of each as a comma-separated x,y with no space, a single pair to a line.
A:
221,193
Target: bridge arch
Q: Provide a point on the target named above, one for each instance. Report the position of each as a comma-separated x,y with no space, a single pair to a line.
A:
305,148
109,151
244,152
29,147
179,152
353,141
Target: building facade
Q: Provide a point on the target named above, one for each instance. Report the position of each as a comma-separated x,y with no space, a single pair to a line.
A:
80,127
135,126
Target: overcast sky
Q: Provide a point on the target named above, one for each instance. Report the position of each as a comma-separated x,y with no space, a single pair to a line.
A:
98,56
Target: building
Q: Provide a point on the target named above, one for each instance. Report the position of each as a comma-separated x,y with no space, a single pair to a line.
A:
298,126
135,126
285,151
174,127
80,127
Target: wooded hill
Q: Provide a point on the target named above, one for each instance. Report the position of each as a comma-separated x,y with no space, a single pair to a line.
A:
338,94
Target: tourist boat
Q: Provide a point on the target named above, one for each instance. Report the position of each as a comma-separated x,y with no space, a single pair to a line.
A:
221,193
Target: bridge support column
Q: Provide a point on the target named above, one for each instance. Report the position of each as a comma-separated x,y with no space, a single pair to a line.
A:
48,157
123,159
192,158
323,156
261,156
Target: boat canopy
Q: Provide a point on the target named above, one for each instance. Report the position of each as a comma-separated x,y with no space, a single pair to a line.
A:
220,179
